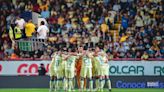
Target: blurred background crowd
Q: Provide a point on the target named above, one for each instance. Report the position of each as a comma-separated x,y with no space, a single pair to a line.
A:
122,28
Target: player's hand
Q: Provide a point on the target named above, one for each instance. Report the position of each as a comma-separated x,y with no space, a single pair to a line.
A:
75,72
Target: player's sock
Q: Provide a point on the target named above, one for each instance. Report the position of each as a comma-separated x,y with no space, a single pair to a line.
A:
109,84
82,84
91,85
97,84
65,84
59,83
51,86
102,83
73,84
56,85
70,84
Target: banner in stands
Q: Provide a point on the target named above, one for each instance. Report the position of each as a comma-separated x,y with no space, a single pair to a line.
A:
117,68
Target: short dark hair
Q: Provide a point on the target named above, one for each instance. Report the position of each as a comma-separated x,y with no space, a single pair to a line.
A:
41,64
42,23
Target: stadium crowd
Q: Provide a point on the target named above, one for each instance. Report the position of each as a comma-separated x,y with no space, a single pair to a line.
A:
88,23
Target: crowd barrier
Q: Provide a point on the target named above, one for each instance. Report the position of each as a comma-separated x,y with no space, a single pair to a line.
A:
31,44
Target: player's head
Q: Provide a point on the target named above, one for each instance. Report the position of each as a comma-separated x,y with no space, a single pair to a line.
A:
97,49
80,49
69,50
90,49
59,52
88,54
102,54
73,50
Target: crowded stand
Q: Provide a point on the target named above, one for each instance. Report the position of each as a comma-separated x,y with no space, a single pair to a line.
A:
124,29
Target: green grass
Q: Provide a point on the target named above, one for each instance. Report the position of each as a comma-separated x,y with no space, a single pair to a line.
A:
113,90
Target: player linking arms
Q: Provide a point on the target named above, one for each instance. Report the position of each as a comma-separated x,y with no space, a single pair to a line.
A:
53,68
70,71
86,70
96,68
104,71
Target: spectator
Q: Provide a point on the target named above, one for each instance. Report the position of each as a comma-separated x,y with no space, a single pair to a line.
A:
11,34
42,31
158,54
123,38
43,5
1,53
29,6
45,56
45,13
9,50
61,20
20,22
41,70
14,56
36,7
110,56
90,23
116,7
29,28
17,32
124,4
145,56
139,21
124,23
104,27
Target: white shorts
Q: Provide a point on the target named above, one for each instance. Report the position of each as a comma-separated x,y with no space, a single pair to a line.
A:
69,73
104,70
86,72
51,69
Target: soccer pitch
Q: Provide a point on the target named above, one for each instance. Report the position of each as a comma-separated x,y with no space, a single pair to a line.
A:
113,90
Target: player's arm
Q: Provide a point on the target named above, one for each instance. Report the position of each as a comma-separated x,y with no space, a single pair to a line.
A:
65,57
107,58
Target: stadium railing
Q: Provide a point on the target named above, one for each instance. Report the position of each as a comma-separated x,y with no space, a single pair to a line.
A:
30,44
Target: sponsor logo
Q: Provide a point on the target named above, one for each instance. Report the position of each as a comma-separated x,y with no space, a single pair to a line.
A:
152,84
24,69
159,70
123,84
29,69
127,70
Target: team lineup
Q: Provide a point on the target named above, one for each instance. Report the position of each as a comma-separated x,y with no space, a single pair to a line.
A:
84,65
